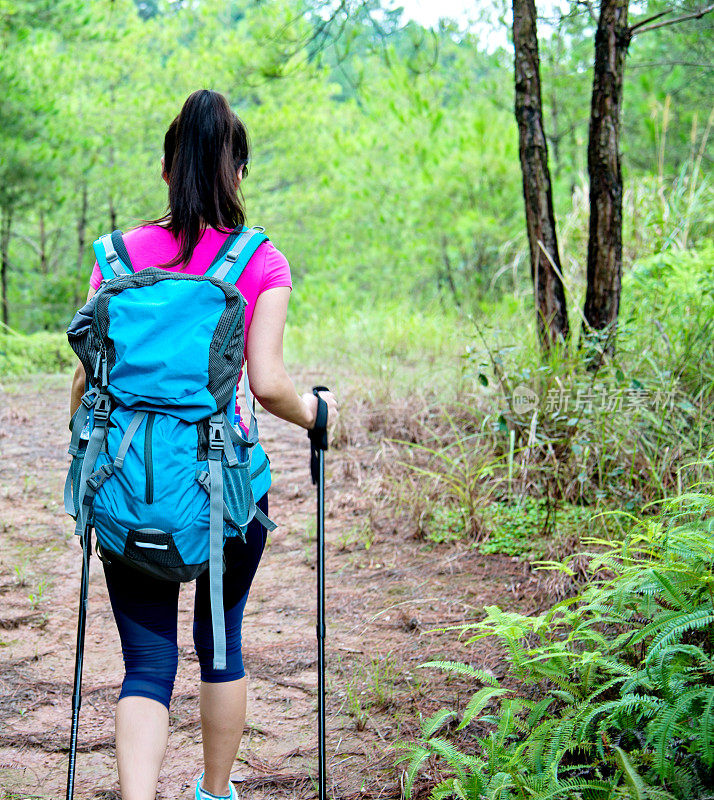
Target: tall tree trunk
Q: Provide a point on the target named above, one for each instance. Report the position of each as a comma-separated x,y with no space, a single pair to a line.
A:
448,274
112,106
43,244
5,230
556,137
112,214
604,270
540,219
79,284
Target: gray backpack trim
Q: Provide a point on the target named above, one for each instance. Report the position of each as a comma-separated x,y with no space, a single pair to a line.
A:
216,443
90,481
111,256
79,420
233,257
132,428
230,258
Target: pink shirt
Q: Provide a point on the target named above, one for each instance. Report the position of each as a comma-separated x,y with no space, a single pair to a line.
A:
151,245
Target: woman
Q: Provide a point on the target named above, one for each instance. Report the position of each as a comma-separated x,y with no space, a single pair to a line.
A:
206,153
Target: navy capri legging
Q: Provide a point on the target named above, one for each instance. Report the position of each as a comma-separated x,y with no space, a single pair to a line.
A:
146,612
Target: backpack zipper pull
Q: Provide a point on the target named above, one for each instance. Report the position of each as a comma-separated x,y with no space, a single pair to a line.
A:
149,458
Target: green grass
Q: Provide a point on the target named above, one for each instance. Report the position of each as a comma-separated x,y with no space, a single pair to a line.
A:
390,348
524,527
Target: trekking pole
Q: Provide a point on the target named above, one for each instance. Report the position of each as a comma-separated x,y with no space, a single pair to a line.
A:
78,663
318,445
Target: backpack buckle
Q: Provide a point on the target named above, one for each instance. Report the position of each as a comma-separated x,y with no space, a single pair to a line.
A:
204,480
102,408
89,398
231,256
96,479
216,435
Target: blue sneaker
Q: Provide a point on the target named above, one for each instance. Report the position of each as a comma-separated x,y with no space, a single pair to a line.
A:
202,794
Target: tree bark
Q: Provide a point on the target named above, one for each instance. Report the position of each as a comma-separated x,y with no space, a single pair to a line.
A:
447,274
537,194
43,244
604,267
81,241
5,230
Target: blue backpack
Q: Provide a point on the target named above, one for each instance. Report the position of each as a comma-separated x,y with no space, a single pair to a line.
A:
158,467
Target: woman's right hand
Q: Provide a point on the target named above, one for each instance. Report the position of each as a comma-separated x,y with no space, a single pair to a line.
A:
310,401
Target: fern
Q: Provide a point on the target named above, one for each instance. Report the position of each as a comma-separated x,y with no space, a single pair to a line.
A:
569,787
461,669
419,756
478,702
632,777
674,593
706,727
538,710
678,625
446,789
538,741
664,727
456,760
624,709
498,785
431,725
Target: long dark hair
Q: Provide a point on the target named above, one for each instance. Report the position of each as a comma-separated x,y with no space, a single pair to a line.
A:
204,147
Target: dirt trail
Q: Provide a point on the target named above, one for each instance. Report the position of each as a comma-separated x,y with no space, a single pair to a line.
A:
384,591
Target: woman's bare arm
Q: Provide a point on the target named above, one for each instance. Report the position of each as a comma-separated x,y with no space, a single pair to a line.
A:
266,370
79,379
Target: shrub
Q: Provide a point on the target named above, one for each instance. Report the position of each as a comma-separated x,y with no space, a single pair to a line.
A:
608,694
21,354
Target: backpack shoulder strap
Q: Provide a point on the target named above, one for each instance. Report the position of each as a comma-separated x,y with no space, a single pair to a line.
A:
236,252
112,255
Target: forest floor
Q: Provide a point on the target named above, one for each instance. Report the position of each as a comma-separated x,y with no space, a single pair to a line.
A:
385,592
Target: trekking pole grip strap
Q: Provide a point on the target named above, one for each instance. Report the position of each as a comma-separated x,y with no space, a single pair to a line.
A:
318,434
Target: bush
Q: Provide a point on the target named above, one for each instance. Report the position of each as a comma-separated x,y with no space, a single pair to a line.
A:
635,430
608,694
21,354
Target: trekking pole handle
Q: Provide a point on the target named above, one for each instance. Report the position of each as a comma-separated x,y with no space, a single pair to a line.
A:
318,434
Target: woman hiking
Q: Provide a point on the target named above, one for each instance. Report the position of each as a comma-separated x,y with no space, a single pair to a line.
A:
206,153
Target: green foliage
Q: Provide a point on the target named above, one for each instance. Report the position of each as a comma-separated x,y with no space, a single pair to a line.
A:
609,694
351,185
524,526
22,354
385,155
677,289
530,481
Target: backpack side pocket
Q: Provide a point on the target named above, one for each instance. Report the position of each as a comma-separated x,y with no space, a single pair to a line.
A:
260,477
238,503
237,498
